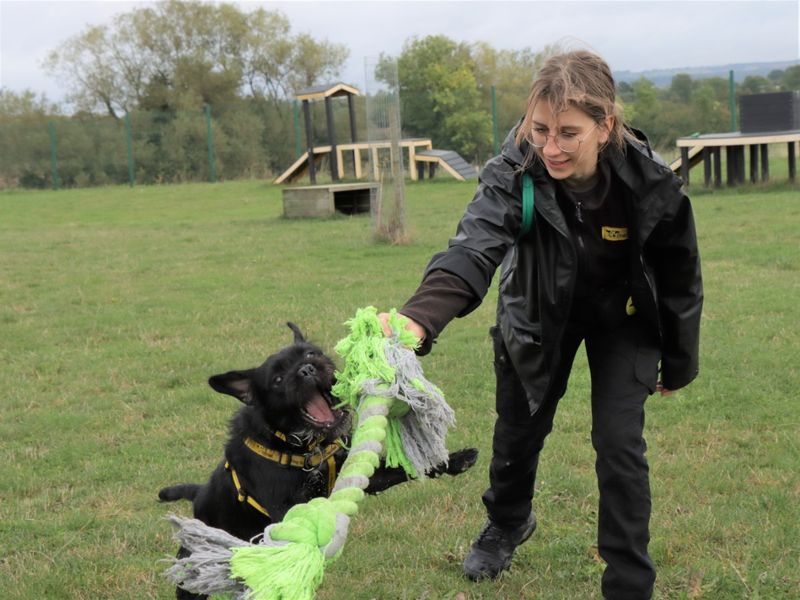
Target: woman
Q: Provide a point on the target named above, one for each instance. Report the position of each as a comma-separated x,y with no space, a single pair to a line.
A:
611,260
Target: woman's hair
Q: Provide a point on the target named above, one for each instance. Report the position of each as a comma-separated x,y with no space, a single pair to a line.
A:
581,79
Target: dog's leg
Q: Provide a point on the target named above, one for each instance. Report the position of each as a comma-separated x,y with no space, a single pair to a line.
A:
458,462
386,477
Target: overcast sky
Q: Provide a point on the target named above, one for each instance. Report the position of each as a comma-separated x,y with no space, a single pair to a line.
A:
632,35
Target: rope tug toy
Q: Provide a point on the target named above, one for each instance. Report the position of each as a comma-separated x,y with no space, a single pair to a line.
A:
401,416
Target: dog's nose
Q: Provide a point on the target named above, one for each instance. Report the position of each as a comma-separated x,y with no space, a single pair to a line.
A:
307,370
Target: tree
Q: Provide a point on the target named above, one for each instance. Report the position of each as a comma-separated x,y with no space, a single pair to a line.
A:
625,92
87,65
25,106
791,78
647,109
775,76
681,87
511,72
179,55
710,114
439,94
312,62
755,84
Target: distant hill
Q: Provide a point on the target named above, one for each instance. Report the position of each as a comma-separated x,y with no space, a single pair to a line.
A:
663,77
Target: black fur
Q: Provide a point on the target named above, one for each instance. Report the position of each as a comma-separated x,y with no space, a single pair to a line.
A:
285,395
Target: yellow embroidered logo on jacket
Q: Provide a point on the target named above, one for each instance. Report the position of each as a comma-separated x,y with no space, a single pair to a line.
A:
630,309
614,234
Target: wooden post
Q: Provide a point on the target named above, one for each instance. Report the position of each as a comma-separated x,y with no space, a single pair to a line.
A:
51,127
740,168
312,174
376,171
764,163
718,167
357,162
753,163
412,171
129,149
685,166
707,166
352,110
212,164
730,165
792,162
421,170
340,162
331,138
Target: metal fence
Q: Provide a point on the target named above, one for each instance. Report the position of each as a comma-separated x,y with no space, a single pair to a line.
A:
145,147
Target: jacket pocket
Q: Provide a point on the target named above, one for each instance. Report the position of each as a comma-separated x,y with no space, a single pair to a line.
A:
502,361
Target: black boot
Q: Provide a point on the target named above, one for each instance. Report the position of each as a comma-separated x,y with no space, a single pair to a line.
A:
491,552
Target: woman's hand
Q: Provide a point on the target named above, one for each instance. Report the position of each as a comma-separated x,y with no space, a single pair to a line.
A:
411,326
664,391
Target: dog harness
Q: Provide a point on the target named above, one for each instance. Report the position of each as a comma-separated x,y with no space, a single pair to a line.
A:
308,461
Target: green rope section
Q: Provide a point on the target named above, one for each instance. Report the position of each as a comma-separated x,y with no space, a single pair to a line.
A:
383,382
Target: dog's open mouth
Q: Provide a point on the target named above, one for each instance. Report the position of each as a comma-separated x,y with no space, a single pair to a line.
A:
319,410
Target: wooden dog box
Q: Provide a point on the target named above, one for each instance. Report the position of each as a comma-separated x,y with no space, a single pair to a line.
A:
326,200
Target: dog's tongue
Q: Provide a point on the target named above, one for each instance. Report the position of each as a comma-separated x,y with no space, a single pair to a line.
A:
319,410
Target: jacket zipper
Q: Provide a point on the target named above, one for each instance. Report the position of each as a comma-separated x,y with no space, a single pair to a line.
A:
572,284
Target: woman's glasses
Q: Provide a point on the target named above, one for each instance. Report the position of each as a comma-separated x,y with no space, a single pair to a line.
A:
566,142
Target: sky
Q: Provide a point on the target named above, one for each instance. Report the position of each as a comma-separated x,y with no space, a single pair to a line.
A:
632,35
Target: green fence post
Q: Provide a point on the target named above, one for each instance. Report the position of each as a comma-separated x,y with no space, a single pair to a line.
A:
53,151
129,146
732,99
212,169
298,138
494,121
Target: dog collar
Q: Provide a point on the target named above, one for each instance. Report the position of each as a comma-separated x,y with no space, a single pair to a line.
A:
307,461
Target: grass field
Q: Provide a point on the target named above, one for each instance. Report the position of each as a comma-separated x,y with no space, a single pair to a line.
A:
116,304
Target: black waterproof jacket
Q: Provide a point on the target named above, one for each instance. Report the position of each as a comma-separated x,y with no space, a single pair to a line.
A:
538,271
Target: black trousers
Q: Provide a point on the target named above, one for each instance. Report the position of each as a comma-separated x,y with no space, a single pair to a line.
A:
623,362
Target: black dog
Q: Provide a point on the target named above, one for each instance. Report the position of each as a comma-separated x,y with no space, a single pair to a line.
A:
285,445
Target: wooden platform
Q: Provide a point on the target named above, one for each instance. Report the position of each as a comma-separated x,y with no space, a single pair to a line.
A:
418,152
707,148
326,200
371,150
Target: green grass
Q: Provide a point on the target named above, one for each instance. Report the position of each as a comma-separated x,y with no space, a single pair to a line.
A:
116,304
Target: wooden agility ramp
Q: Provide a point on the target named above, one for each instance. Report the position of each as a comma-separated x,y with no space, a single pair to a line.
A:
448,160
418,151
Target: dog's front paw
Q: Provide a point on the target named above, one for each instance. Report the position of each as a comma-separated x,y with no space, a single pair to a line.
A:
461,460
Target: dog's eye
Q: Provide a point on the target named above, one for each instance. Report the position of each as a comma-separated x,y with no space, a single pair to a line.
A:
277,379
310,354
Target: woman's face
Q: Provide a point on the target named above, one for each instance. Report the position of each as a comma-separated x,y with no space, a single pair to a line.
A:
576,169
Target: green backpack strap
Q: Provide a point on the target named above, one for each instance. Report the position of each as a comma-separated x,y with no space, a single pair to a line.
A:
527,205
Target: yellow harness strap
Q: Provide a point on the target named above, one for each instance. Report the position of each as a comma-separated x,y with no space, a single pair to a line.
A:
241,494
300,461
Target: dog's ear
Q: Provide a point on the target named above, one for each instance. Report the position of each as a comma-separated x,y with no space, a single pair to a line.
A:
233,383
298,335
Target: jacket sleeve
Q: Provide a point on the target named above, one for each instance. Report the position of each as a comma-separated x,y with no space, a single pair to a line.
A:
676,261
486,231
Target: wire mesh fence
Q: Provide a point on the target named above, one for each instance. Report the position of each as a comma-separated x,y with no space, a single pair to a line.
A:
145,147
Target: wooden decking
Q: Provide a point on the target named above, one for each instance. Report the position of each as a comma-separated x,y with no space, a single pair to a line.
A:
707,149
